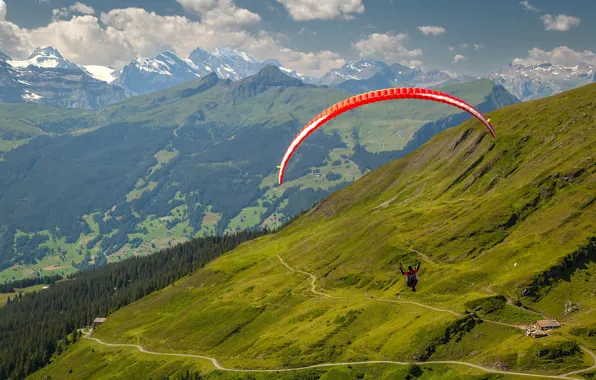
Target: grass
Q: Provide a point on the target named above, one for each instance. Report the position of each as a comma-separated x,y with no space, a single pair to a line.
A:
128,363
452,200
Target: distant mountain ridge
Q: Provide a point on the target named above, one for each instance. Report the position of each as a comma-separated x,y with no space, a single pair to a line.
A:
398,75
146,75
538,81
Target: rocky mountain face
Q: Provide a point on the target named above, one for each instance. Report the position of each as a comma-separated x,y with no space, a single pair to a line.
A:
533,82
46,77
145,75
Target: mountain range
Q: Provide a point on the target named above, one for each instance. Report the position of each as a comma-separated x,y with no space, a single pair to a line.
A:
534,82
149,74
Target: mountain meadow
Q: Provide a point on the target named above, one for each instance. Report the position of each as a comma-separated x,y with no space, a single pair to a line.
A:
505,229
82,188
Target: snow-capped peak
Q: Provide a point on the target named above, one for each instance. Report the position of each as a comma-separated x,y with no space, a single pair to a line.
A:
152,65
45,57
231,53
46,51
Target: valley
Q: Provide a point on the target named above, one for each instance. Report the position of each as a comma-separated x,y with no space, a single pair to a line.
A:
162,168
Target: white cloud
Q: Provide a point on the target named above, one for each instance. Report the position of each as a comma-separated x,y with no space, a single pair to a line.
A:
458,57
78,7
464,46
117,37
434,30
58,14
305,10
561,55
561,23
220,13
82,8
529,7
451,48
43,1
197,6
391,47
478,46
2,10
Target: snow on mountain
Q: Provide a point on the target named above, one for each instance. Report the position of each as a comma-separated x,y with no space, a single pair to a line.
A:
102,73
229,54
354,75
45,57
362,69
145,75
47,77
230,63
533,82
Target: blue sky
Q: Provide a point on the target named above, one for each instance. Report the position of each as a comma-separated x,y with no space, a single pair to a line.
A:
311,36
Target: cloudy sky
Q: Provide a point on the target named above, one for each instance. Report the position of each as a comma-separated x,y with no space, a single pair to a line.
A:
310,36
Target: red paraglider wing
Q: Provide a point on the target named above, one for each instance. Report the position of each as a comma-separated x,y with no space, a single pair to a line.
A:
373,97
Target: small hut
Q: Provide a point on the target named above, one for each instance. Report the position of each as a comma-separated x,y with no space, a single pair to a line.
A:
546,324
97,322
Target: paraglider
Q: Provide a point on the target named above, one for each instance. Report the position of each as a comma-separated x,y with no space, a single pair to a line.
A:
411,275
372,97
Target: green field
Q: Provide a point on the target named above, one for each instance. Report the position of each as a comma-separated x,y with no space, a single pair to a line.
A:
485,217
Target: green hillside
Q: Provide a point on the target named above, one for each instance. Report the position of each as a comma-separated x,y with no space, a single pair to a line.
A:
513,217
198,159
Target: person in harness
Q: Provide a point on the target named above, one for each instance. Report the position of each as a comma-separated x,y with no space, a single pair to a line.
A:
411,275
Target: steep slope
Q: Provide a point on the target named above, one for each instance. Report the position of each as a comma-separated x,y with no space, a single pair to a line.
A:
188,161
513,216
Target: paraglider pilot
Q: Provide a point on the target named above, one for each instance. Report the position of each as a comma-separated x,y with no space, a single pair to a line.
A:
411,275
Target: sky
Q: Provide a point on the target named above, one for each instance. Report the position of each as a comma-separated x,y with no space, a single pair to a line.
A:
310,36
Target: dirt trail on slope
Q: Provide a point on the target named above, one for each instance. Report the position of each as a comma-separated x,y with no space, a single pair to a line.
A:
314,290
510,303
323,365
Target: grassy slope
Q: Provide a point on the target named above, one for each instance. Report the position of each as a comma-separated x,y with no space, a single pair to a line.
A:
248,310
92,361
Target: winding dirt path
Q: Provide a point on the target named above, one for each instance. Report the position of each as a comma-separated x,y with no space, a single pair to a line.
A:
314,290
323,365
510,303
